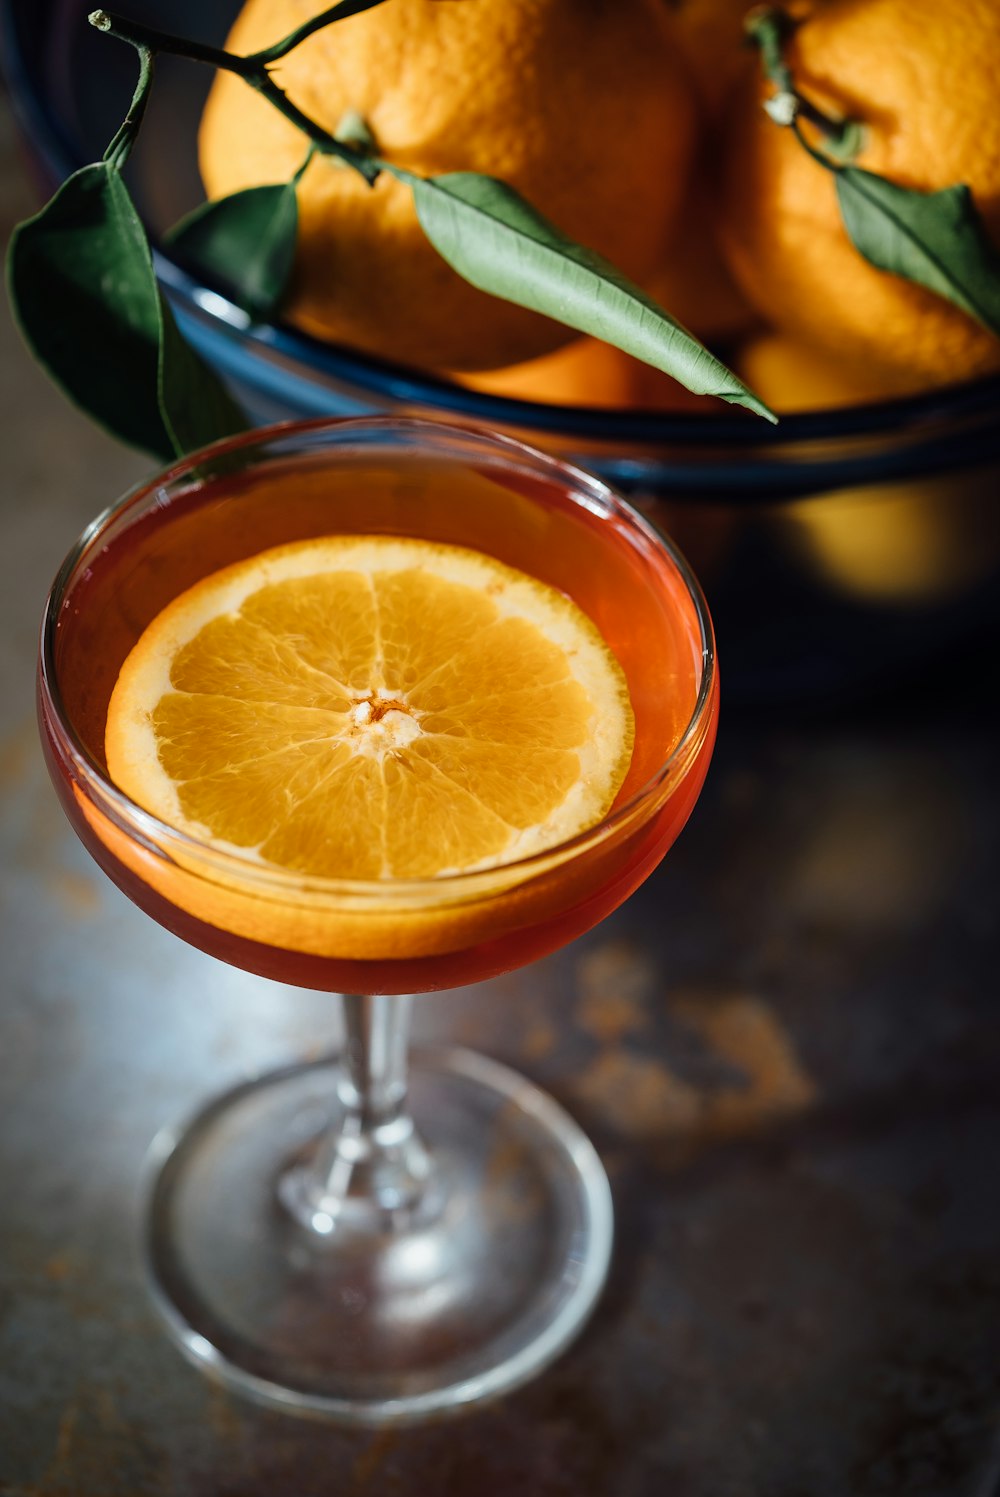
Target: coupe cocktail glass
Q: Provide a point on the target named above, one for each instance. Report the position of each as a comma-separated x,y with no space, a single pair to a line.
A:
351,1237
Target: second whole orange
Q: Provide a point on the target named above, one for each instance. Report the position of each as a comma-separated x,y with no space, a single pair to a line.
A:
919,78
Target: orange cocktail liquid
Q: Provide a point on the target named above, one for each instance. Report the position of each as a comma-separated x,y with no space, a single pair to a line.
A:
636,596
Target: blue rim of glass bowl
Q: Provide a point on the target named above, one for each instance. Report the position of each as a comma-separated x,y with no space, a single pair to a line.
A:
731,456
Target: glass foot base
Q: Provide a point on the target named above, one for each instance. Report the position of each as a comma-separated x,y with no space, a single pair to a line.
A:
465,1295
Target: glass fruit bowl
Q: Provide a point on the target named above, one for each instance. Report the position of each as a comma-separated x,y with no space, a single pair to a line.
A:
871,530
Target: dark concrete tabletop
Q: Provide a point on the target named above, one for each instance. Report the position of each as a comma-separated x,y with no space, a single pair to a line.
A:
786,1048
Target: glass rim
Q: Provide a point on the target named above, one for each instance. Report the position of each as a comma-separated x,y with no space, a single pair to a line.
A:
163,837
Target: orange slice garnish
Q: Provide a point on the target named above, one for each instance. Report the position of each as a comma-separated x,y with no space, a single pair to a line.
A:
373,708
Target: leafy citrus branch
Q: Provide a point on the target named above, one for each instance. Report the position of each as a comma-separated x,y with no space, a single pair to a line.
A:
85,295
252,69
483,229
934,239
121,145
769,29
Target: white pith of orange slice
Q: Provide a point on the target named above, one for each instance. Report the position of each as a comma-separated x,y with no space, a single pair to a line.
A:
372,707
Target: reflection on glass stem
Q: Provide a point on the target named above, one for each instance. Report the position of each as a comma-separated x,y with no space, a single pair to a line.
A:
370,1169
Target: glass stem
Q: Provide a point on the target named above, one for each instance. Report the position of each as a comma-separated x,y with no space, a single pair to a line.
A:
371,1169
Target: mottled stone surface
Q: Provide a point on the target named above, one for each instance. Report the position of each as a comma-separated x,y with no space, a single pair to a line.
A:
786,1048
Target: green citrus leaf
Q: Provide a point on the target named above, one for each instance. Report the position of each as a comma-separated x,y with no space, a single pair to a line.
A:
498,241
195,406
934,238
246,242
80,294
83,290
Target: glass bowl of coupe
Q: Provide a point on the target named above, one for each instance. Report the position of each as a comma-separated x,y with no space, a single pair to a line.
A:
377,706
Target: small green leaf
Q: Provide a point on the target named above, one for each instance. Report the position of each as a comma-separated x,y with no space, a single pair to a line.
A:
246,242
195,406
80,293
85,296
936,239
495,239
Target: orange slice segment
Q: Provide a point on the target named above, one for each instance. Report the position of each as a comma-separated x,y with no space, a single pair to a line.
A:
368,707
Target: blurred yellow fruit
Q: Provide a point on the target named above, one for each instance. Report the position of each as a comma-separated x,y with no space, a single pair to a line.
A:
585,372
590,373
581,105
897,545
921,79
795,376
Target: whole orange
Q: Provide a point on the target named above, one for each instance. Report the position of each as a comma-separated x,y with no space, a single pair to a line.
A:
581,105
920,77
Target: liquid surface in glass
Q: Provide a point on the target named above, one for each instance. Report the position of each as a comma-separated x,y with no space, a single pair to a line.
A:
632,591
